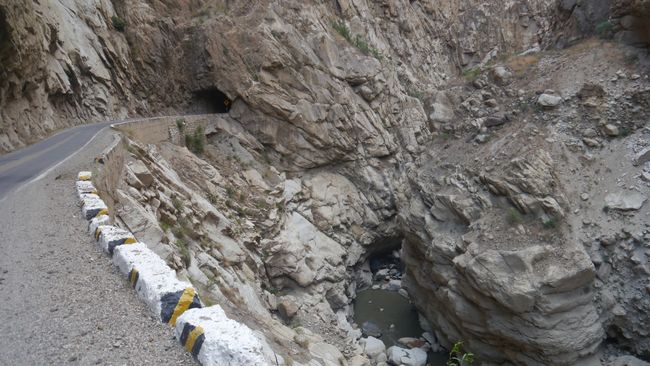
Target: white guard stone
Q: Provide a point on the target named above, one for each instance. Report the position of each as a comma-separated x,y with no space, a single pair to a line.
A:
84,175
155,278
226,342
110,237
85,187
92,205
96,222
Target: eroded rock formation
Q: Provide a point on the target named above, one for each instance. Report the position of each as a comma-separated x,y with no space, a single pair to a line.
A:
358,124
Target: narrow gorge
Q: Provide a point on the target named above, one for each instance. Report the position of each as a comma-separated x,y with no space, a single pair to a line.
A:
369,182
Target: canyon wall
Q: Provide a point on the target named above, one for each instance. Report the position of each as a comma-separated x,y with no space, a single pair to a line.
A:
354,125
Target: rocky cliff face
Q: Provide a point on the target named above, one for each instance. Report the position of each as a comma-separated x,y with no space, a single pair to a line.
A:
355,127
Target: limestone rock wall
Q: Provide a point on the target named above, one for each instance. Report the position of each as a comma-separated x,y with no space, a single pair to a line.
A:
353,123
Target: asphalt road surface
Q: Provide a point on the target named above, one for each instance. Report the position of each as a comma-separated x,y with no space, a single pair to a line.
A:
19,167
62,302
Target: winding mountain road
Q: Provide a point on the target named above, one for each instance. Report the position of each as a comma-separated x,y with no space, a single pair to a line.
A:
22,166
62,301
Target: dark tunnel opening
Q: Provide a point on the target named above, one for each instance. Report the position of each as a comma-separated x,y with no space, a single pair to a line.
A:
211,100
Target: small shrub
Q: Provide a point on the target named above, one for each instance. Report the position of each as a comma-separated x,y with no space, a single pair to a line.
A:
199,140
118,23
164,226
457,357
342,29
230,191
605,29
177,203
178,232
513,216
184,251
196,141
366,48
213,198
416,94
624,132
550,223
472,74
180,124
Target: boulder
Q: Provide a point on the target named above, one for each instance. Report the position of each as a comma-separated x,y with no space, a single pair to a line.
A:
611,130
287,307
629,361
407,357
625,201
501,75
642,157
370,329
372,347
142,173
548,100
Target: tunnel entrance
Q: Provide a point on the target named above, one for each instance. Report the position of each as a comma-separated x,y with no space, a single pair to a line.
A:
211,100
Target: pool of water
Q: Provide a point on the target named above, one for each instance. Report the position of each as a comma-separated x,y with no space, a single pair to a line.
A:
385,308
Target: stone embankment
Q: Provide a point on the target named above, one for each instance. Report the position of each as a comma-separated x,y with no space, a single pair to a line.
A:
206,332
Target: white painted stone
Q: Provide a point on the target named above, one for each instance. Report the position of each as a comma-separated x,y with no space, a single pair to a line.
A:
91,206
85,187
111,237
84,175
226,342
155,278
96,222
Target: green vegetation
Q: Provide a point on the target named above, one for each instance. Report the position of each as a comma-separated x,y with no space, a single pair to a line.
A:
164,226
196,141
118,23
458,357
472,74
184,251
605,29
624,132
551,223
417,94
180,124
514,216
177,203
357,41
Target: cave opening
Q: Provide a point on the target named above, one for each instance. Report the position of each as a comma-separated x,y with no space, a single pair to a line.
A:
209,101
382,308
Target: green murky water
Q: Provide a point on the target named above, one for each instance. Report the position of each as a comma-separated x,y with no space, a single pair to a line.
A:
385,308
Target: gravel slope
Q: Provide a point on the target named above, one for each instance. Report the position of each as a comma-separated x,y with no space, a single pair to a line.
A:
62,301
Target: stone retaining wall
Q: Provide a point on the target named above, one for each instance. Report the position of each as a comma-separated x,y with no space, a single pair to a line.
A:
159,129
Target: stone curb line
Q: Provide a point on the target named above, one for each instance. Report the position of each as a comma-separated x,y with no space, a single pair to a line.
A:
206,332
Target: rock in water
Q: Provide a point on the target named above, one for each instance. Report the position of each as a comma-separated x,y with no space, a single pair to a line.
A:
370,329
372,347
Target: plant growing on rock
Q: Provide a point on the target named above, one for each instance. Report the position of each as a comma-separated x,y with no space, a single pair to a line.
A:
472,74
458,357
196,141
180,124
118,23
605,29
513,216
357,41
